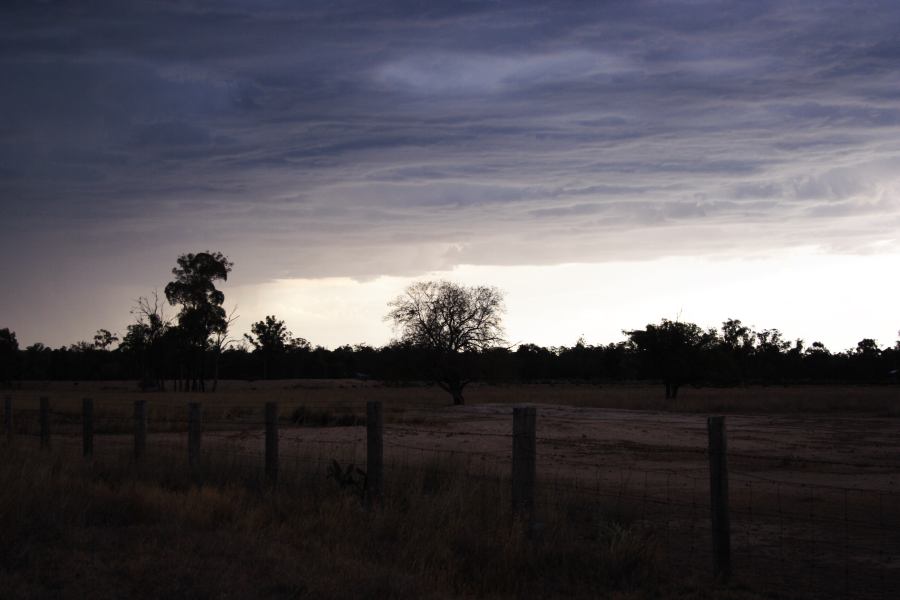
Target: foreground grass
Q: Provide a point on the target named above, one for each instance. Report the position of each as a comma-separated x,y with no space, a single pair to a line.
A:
105,532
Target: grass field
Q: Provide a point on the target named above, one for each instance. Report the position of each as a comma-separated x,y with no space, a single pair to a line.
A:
104,533
621,512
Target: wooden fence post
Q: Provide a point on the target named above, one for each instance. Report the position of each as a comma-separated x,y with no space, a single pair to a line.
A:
45,422
272,442
87,427
374,452
718,494
524,454
7,417
194,428
140,429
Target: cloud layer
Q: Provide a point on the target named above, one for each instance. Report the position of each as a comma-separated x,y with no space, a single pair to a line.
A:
362,139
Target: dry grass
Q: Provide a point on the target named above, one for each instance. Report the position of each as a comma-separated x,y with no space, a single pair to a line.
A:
108,530
335,400
105,531
883,400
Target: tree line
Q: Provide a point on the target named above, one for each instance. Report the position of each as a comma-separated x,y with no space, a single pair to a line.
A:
447,333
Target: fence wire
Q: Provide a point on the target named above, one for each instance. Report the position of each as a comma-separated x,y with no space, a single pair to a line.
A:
792,532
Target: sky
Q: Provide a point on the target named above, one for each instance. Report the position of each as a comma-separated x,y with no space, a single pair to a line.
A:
605,164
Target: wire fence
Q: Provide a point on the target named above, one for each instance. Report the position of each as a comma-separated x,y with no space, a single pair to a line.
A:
799,524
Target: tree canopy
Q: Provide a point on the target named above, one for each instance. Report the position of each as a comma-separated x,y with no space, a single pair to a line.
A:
448,333
9,347
270,337
448,317
671,350
202,314
445,320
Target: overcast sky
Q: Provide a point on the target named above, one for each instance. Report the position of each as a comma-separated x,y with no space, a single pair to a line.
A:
607,164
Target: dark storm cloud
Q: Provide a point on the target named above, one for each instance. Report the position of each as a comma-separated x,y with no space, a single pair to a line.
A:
356,138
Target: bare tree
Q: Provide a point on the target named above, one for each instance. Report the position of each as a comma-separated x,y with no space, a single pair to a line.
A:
220,341
447,320
146,339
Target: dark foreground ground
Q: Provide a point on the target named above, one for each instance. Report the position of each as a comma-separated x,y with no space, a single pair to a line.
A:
622,506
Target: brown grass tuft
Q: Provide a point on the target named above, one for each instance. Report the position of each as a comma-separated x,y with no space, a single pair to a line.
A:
111,532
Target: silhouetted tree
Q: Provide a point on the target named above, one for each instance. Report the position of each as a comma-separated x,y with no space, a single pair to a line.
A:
268,338
103,339
201,313
771,340
817,348
866,358
577,362
145,341
220,341
535,362
38,362
447,320
868,346
738,343
894,363
83,346
771,354
672,351
9,356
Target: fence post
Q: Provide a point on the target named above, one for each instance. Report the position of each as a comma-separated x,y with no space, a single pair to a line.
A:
272,442
7,417
523,467
194,424
718,495
374,452
140,429
87,427
45,422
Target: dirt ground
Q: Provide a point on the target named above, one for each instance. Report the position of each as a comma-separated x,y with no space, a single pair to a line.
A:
814,494
815,500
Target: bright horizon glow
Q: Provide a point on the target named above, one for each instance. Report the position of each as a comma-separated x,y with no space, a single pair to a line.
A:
835,299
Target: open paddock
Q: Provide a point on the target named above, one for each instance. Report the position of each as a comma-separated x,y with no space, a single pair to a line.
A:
814,471
878,400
